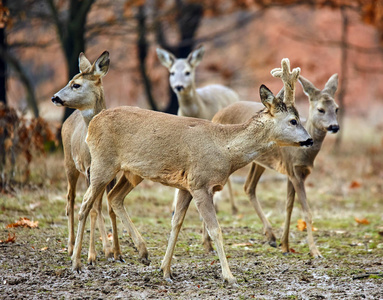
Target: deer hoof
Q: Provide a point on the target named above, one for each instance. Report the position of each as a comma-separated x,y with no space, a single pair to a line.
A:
76,267
145,261
273,244
231,281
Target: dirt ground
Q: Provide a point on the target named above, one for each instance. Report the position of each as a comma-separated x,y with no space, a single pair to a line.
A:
37,266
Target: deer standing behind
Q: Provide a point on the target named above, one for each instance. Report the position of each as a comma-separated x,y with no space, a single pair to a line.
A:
194,155
296,163
200,103
85,93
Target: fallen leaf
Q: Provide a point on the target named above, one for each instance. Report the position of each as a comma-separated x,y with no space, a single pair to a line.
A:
44,249
24,222
10,239
110,237
363,221
355,184
302,226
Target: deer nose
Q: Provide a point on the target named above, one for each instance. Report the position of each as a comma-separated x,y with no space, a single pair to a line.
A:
333,128
57,100
179,88
307,143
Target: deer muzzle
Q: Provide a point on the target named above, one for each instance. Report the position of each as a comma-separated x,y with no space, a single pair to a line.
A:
57,101
333,128
307,143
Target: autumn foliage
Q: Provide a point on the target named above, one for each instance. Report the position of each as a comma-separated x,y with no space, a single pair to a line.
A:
20,137
24,222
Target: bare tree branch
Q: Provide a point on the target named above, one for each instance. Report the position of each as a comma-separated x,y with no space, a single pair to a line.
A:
31,98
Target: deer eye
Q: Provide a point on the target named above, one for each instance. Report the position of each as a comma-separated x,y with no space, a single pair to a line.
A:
293,122
336,111
171,73
187,73
321,110
75,86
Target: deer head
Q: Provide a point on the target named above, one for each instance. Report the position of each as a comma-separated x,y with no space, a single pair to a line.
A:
323,109
182,71
288,130
83,90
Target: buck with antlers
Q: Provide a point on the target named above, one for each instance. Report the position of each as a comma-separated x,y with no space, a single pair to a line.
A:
196,156
85,93
294,162
200,103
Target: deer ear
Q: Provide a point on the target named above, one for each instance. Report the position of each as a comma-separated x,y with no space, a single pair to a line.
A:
195,56
331,85
101,65
83,63
308,88
166,58
267,98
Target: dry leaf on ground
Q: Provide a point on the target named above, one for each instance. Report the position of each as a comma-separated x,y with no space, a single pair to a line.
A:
10,239
24,222
363,221
302,226
355,184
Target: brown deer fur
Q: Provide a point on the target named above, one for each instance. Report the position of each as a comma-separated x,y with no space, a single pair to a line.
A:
296,163
193,155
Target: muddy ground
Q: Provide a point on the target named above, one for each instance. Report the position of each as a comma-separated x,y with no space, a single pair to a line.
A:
37,266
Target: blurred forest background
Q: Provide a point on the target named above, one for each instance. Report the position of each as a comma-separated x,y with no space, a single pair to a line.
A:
40,41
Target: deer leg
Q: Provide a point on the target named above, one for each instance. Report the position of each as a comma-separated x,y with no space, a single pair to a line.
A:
116,201
301,193
92,254
289,210
101,226
234,208
206,240
94,191
96,215
174,204
250,187
72,176
183,202
116,244
205,206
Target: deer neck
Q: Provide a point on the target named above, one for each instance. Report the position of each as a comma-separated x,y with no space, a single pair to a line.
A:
189,103
317,135
99,105
248,141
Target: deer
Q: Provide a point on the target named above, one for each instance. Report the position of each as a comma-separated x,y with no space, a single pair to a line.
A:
85,93
201,103
296,163
194,155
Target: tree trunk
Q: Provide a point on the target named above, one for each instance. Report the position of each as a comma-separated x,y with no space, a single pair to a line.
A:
343,76
3,66
73,40
142,46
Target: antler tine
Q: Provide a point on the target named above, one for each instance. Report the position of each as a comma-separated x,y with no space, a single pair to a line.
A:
289,79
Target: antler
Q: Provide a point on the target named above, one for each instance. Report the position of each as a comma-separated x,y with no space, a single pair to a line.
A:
289,79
